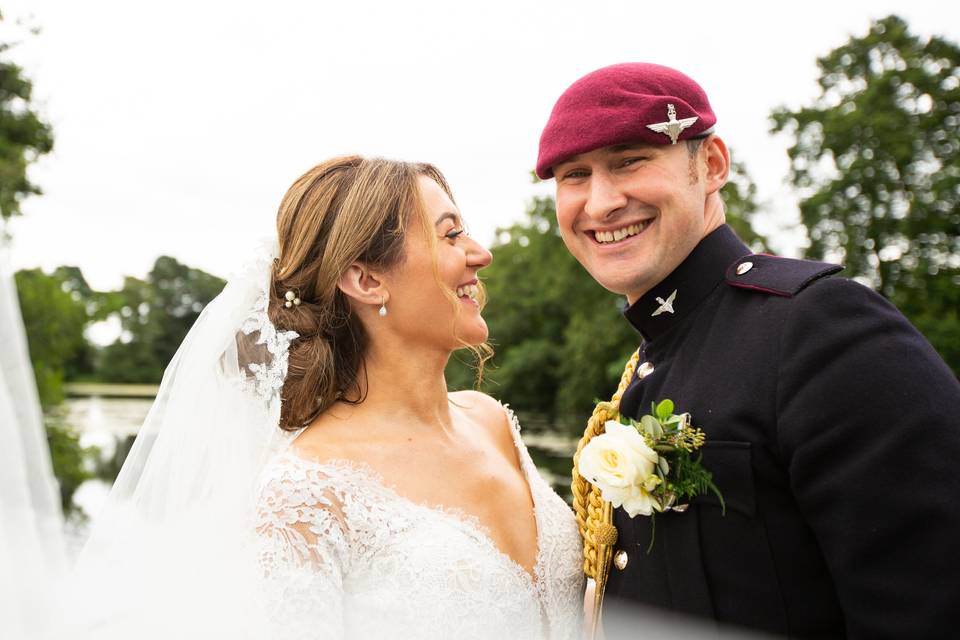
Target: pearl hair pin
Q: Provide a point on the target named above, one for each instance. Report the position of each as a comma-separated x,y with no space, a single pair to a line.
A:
292,300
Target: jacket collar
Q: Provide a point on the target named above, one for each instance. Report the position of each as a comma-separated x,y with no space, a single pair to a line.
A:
666,304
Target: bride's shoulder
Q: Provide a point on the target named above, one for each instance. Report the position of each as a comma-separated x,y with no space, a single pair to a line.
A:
487,411
315,474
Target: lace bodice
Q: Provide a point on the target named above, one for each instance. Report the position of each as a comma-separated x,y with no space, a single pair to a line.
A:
346,556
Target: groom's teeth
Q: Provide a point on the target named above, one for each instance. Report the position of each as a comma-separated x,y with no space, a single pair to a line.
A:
619,234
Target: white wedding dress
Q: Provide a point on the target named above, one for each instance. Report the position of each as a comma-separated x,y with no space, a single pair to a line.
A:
346,556
215,528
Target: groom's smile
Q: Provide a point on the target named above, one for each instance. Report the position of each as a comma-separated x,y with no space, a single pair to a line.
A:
619,234
631,213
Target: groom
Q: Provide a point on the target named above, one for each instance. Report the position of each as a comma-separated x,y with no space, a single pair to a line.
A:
833,427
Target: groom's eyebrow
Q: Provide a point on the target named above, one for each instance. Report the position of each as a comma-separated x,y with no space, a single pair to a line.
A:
610,150
620,148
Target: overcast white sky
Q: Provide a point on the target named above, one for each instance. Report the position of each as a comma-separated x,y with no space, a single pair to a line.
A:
179,125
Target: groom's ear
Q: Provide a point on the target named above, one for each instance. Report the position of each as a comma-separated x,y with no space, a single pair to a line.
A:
716,162
362,286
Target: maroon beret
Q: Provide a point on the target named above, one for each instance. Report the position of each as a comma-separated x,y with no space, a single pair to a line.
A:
623,103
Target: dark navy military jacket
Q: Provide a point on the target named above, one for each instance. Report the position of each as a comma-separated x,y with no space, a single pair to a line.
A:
833,433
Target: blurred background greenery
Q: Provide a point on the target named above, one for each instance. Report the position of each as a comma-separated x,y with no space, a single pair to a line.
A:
875,160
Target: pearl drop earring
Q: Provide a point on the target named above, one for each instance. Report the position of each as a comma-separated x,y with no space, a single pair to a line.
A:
383,307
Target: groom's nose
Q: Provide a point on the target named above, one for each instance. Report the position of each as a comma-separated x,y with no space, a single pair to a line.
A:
604,196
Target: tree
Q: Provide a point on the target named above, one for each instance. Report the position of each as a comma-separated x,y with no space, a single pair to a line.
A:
54,321
740,204
24,136
155,315
876,161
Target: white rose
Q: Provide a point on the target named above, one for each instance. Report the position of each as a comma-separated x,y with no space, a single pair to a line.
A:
622,465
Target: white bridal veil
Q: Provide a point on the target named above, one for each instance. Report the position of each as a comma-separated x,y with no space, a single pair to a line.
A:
31,525
169,555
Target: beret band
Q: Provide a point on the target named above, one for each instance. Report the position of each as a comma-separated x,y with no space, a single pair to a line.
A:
623,103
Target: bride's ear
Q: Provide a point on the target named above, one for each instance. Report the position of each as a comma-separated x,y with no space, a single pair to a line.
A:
363,287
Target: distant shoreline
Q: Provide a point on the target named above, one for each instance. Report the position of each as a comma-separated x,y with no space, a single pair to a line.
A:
108,390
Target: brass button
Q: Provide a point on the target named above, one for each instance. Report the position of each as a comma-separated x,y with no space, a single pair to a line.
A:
743,267
644,370
620,559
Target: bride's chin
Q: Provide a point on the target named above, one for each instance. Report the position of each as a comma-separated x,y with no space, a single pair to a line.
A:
473,335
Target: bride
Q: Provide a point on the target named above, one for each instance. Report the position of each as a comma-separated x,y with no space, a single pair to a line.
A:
304,472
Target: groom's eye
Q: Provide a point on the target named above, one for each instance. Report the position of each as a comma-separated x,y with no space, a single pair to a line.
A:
574,174
626,162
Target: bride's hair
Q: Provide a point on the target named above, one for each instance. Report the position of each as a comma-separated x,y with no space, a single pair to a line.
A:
345,210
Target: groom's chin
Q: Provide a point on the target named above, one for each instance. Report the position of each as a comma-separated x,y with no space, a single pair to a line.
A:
622,274
617,284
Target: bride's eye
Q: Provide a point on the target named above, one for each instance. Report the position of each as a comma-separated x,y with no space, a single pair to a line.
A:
454,234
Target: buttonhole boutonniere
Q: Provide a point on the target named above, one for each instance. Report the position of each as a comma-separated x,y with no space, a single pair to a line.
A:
648,466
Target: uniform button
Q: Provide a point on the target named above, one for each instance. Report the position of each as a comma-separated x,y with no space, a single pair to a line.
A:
620,559
644,370
743,267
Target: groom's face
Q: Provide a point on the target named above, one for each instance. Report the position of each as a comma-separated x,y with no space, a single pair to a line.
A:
630,214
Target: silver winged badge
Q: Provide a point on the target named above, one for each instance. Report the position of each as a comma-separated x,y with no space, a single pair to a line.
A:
666,306
672,127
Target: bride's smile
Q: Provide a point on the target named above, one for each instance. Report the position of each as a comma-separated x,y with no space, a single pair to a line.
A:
435,296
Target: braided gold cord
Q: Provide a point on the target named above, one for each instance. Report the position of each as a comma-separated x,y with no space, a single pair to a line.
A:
594,516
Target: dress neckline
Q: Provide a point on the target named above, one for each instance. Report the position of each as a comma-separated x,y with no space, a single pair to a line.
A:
467,522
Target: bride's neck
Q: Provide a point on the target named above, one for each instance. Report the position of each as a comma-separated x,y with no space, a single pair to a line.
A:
409,385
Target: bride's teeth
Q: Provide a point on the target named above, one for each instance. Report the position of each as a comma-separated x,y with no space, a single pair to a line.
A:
469,290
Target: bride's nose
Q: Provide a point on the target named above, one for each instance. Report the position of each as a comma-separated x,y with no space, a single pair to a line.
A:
478,256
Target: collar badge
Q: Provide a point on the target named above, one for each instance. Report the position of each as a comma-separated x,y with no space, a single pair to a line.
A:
672,127
666,306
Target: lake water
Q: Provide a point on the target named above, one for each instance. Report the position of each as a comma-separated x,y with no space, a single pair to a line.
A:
109,422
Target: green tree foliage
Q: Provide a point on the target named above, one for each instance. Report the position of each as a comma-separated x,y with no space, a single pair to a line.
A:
740,202
560,339
876,160
54,320
156,315
24,136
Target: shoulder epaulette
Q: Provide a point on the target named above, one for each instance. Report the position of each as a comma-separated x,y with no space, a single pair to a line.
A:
777,276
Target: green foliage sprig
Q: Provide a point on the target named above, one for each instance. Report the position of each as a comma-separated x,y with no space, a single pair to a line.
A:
677,443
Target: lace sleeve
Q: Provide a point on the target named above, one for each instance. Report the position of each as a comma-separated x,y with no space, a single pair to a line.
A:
304,553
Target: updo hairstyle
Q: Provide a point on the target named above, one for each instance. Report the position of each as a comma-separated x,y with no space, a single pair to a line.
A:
346,210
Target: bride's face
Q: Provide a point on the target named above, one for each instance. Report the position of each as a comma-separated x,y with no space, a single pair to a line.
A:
438,306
